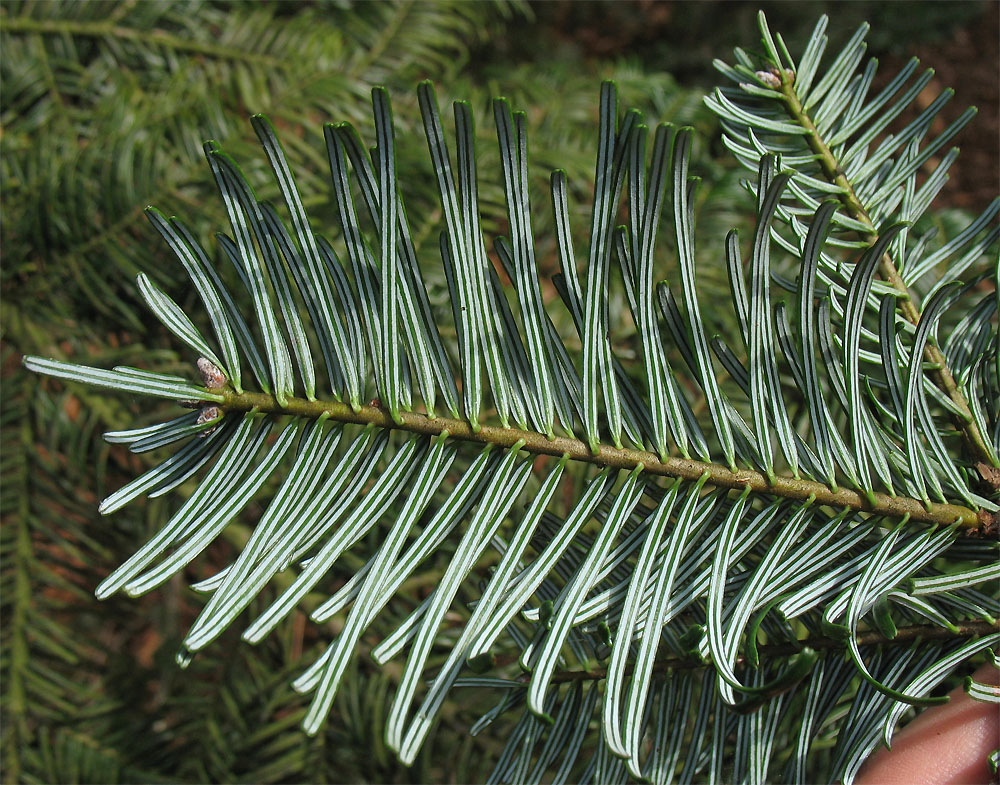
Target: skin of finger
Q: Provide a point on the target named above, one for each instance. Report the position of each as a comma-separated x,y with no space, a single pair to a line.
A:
945,745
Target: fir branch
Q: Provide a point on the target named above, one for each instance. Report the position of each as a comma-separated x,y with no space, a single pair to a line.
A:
770,651
389,31
703,555
103,29
830,166
614,457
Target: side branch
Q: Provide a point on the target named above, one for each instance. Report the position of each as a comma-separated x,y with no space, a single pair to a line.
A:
618,458
940,372
101,29
904,635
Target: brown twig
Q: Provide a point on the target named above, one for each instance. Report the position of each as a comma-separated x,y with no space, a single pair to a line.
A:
618,458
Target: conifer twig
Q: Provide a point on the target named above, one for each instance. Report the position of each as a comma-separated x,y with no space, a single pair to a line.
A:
904,635
940,372
619,458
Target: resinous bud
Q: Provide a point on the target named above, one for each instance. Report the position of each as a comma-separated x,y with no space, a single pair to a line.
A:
211,374
208,414
772,80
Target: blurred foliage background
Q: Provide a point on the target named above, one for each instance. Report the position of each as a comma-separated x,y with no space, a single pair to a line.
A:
103,110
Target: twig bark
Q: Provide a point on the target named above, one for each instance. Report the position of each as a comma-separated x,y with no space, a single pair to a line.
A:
619,458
